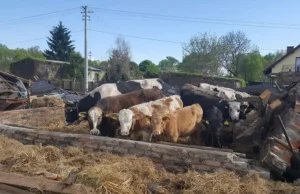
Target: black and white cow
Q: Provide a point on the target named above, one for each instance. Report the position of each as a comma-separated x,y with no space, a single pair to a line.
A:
213,122
230,110
109,89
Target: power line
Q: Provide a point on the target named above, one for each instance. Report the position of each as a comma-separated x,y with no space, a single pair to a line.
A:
39,15
145,38
35,20
138,37
196,20
31,40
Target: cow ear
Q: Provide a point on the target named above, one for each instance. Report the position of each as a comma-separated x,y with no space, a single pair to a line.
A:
113,116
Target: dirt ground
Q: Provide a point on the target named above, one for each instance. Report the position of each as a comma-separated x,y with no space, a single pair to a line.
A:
46,118
108,173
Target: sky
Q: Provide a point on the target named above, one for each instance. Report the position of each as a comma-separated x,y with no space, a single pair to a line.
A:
270,24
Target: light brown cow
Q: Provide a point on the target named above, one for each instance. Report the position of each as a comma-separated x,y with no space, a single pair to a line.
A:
181,123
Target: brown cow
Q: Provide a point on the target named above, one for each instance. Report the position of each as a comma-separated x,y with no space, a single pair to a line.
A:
114,104
181,123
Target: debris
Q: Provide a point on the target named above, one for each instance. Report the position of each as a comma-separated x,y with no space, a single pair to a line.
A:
42,184
49,175
13,92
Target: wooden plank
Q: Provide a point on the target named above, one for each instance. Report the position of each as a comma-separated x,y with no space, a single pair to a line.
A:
265,95
43,184
13,190
276,103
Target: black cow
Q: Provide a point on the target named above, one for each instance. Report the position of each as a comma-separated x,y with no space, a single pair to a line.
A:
213,122
109,89
230,110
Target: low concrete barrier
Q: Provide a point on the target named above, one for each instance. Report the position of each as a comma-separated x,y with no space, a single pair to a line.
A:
169,156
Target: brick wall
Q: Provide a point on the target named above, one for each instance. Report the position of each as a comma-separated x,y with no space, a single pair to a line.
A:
168,156
180,79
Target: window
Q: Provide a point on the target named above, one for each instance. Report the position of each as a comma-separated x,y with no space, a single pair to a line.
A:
297,65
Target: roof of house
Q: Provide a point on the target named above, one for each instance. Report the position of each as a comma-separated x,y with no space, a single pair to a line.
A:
58,62
41,60
268,69
95,68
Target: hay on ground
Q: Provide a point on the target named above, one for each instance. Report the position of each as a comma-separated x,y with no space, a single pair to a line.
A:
46,118
109,173
47,101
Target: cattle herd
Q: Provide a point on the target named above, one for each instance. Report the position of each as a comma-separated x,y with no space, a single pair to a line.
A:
142,110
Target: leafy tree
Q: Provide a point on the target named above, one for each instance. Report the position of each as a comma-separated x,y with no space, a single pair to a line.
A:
60,43
135,73
144,65
8,56
201,54
94,63
272,57
168,64
152,71
233,45
77,66
118,63
251,66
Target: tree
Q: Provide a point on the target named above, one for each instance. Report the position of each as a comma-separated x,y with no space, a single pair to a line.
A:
201,54
60,44
144,65
77,66
94,63
251,66
118,67
135,73
152,71
8,56
233,46
272,57
168,64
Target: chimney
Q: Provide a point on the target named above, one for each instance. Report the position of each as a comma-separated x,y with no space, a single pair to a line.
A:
289,49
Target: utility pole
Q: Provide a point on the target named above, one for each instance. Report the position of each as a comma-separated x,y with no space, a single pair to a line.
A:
86,62
90,55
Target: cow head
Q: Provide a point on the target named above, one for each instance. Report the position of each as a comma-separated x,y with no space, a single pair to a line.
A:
234,110
126,119
71,113
95,118
158,122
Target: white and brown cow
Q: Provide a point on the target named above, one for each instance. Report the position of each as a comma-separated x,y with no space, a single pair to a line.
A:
106,90
113,104
127,117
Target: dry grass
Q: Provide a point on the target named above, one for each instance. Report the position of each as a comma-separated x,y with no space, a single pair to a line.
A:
47,118
114,174
46,101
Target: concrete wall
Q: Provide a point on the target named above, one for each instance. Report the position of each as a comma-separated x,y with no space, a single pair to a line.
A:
180,79
174,157
287,64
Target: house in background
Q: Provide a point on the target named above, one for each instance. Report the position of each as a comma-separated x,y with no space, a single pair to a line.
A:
34,69
95,74
290,62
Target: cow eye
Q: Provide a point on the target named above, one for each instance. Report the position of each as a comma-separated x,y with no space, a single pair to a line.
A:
238,110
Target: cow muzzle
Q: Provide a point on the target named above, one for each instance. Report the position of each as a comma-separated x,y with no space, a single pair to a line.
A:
124,133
